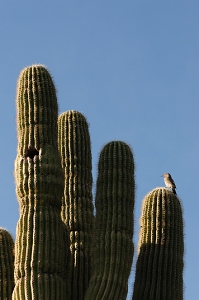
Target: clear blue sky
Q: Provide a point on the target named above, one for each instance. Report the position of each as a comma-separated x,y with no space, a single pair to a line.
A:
132,68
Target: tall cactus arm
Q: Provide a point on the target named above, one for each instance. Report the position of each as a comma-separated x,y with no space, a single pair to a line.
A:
113,250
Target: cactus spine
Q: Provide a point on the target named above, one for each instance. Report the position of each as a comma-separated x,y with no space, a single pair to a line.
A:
77,207
159,270
113,250
40,253
6,264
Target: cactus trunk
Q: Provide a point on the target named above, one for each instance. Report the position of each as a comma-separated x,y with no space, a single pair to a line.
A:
159,270
40,252
113,250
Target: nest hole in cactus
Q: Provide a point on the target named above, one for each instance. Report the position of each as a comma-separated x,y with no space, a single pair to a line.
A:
31,152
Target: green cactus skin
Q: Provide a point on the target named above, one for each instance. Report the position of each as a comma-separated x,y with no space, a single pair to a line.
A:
40,252
113,250
159,270
77,207
6,265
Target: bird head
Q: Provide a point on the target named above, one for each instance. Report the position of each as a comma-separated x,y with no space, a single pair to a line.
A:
165,175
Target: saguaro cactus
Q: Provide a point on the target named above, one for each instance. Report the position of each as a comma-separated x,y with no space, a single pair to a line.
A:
113,250
159,270
6,264
77,207
54,250
40,251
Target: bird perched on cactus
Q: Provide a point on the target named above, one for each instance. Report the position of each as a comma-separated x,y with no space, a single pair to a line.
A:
169,182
